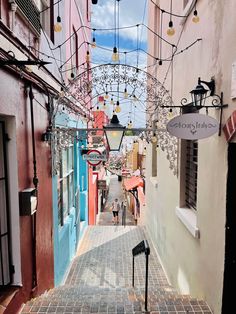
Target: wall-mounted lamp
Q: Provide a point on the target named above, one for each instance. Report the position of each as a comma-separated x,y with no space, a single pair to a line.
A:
199,96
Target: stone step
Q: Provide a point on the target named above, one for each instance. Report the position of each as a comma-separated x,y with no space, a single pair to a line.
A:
69,299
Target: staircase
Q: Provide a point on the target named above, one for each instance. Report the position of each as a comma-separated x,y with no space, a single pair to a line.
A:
100,280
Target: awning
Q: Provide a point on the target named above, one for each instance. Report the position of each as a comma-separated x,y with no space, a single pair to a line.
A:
133,182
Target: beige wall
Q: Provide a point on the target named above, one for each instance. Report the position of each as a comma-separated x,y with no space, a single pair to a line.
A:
193,265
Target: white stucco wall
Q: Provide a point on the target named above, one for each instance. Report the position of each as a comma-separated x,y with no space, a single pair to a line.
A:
194,265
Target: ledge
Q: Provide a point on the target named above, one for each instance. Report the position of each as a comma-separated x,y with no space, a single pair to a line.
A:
189,218
154,182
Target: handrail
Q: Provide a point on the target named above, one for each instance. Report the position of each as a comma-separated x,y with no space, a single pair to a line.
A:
142,247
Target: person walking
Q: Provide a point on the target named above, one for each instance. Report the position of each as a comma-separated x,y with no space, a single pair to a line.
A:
115,207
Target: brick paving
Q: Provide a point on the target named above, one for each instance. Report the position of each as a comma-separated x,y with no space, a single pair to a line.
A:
100,279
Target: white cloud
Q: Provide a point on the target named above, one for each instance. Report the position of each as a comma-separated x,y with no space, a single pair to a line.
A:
131,13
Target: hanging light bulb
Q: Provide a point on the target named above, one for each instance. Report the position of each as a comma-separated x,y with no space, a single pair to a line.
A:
112,101
87,56
134,97
115,55
125,93
106,95
195,18
94,44
104,105
62,93
58,26
170,30
170,113
130,125
118,109
97,108
154,138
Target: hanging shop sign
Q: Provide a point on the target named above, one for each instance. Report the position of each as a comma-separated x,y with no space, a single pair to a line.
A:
94,157
193,126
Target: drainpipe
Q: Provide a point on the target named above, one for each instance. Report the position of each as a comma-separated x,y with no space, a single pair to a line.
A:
35,182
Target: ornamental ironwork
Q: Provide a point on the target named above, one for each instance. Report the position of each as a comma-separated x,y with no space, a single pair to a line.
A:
155,99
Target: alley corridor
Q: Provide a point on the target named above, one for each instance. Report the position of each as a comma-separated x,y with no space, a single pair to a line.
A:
100,278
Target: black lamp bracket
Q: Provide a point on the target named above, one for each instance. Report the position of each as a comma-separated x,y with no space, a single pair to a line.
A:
217,101
210,85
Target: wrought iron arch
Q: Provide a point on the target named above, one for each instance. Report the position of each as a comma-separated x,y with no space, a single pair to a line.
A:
92,82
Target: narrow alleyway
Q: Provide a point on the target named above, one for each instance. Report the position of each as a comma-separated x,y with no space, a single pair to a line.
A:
100,278
115,191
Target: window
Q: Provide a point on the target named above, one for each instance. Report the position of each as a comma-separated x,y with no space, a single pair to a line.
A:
47,18
65,187
191,170
29,11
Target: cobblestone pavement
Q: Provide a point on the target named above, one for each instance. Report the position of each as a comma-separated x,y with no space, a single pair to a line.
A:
100,279
115,191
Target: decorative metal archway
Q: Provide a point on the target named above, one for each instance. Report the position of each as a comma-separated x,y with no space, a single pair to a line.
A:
152,96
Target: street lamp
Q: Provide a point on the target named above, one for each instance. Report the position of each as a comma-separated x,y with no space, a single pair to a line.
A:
114,133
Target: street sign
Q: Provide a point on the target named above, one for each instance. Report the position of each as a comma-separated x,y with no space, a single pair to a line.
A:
192,126
94,157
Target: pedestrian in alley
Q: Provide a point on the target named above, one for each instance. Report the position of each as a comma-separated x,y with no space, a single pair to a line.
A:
115,208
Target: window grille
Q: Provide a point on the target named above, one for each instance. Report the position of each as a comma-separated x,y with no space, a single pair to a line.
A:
30,11
191,174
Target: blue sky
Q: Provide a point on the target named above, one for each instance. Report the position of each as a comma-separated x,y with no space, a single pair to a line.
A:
132,12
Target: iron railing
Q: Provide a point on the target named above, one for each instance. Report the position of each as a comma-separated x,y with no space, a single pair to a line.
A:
142,247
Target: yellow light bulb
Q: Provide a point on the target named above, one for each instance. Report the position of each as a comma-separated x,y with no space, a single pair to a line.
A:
154,139
170,31
87,58
112,101
126,94
196,19
117,109
94,44
115,55
130,125
57,27
170,114
62,94
106,96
